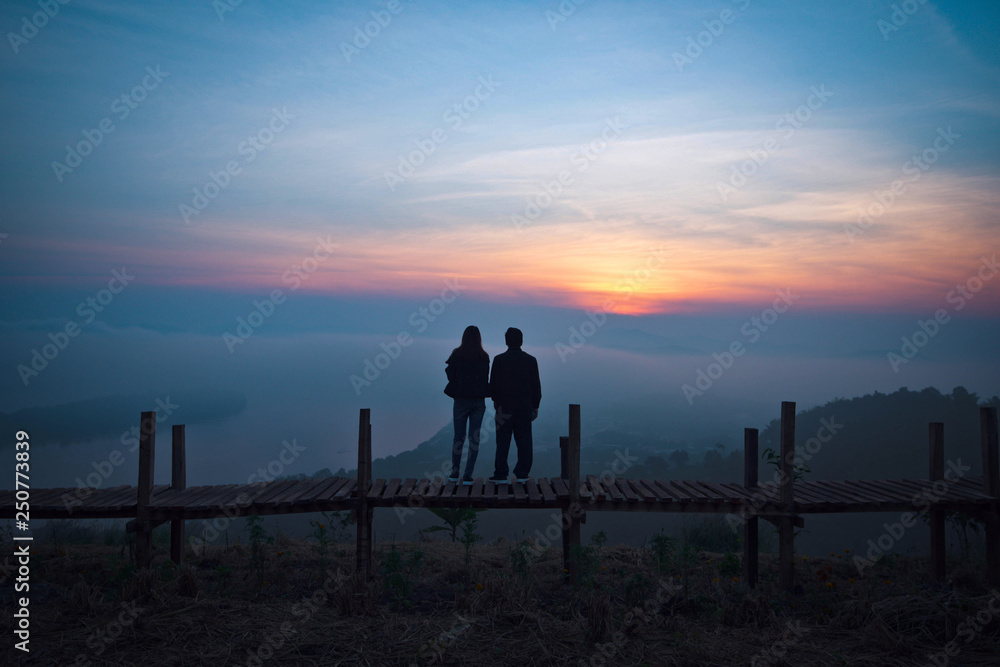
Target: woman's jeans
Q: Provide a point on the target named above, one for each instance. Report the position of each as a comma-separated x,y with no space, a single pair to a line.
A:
471,410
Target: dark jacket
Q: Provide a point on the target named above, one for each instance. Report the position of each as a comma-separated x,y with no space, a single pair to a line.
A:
514,382
468,378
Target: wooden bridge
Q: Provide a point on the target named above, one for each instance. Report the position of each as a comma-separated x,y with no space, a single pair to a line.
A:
782,502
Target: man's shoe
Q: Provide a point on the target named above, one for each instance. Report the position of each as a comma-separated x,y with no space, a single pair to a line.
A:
522,480
453,478
467,481
498,480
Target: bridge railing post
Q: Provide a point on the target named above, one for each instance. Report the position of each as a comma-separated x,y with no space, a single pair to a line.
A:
937,536
563,461
991,487
572,515
750,483
143,526
178,481
786,527
363,511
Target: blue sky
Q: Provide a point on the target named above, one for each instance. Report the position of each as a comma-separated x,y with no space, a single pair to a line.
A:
581,151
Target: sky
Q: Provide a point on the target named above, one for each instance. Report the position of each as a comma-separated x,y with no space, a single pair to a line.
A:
241,206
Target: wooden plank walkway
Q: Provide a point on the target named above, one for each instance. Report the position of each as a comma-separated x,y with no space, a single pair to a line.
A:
571,493
618,495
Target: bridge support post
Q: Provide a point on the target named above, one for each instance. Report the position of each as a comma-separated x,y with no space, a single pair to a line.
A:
786,525
991,487
572,515
178,481
143,526
363,511
750,483
938,554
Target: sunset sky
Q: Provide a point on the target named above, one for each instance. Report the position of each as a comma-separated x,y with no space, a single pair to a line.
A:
655,160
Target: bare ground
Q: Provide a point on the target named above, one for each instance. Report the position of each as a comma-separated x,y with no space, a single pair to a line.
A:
90,607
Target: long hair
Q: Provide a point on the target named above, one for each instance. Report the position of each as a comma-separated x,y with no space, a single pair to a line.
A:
472,345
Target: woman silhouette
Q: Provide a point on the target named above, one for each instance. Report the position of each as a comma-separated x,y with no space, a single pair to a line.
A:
468,370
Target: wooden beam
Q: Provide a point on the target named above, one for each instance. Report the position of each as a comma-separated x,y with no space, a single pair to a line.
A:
991,487
750,534
786,530
178,480
147,450
363,514
563,462
573,513
938,553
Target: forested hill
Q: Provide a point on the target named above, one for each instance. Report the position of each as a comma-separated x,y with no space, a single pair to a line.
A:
885,436
876,436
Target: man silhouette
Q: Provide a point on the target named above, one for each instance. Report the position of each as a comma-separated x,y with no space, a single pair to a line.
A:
516,392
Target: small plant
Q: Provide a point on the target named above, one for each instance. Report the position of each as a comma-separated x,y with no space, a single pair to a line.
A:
453,519
398,574
637,590
599,539
730,565
520,560
587,564
322,535
167,570
689,558
962,524
469,537
663,552
774,458
258,540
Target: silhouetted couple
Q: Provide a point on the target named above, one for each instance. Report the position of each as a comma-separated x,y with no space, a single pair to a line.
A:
516,392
